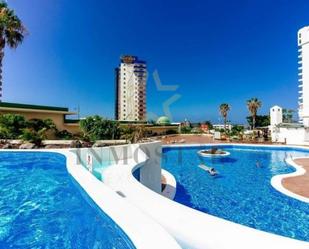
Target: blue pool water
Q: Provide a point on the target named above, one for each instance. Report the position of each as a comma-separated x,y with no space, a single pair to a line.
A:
242,192
41,206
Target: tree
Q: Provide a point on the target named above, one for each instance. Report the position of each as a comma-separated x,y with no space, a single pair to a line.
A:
253,105
224,109
236,129
96,128
260,121
287,115
209,124
39,124
11,33
134,133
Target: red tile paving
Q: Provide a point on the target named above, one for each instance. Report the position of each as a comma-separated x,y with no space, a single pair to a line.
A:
198,139
188,139
299,184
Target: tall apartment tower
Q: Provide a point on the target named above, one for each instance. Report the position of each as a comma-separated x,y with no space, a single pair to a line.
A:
130,77
303,56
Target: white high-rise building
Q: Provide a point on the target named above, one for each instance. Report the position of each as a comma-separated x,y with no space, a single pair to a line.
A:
131,89
303,43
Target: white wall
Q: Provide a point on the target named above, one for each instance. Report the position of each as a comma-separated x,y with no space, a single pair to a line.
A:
150,173
293,136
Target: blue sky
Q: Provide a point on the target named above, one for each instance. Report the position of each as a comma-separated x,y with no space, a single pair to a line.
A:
216,51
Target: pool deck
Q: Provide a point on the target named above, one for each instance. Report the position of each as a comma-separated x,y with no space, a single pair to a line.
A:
299,184
199,139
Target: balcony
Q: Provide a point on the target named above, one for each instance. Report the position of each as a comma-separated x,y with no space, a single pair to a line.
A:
300,74
300,62
301,85
300,92
300,50
300,68
300,80
300,56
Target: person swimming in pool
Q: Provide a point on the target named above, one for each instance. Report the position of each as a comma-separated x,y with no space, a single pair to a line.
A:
258,165
213,172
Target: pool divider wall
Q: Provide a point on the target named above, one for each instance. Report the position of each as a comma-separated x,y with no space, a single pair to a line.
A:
139,227
150,173
148,153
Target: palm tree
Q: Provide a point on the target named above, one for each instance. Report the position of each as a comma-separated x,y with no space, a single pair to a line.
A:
11,33
253,105
224,109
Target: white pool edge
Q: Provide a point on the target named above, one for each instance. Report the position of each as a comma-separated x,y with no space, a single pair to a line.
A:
276,181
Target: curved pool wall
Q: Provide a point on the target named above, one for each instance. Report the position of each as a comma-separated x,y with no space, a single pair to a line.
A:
139,227
192,228
276,181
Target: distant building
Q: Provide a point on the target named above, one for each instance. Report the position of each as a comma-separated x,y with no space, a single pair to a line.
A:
130,77
275,115
221,126
163,121
289,133
303,43
59,115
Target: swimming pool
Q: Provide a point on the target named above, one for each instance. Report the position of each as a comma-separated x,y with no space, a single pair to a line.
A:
41,206
242,192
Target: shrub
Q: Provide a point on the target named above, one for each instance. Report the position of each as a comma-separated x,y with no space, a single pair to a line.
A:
31,136
39,124
133,133
96,128
185,130
4,133
64,134
11,125
171,132
196,130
